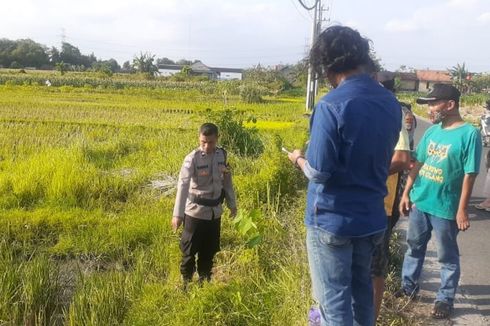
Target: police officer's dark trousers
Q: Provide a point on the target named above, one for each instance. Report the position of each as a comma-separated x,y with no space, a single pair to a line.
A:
201,237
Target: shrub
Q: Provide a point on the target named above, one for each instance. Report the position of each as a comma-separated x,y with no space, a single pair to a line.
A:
250,93
234,135
15,65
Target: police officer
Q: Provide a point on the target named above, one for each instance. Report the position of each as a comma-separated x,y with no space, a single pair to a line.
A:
204,183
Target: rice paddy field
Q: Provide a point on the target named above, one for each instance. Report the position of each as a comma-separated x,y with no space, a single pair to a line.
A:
87,186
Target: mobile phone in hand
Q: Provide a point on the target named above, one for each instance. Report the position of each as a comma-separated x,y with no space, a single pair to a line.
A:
285,150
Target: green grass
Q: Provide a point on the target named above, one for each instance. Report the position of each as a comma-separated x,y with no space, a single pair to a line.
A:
85,239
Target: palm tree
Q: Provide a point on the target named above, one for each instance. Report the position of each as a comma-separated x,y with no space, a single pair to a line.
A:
459,75
61,67
144,63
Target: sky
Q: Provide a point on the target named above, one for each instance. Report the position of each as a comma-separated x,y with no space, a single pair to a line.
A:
435,34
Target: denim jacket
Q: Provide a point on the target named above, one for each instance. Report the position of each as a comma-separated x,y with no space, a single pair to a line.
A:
353,131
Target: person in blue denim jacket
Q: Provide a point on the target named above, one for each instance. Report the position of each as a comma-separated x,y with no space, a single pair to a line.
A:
353,132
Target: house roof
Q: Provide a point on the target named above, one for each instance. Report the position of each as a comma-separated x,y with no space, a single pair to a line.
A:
218,69
407,76
200,67
170,67
433,76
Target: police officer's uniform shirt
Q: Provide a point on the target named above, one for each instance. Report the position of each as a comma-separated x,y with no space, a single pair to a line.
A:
205,176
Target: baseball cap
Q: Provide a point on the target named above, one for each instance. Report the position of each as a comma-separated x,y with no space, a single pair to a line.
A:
440,92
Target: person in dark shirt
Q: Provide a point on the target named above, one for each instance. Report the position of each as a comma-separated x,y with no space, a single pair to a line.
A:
353,132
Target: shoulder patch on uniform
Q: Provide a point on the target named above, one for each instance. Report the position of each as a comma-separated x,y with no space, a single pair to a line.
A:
187,164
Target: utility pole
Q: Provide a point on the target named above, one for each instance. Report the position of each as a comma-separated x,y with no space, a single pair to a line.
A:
312,83
318,31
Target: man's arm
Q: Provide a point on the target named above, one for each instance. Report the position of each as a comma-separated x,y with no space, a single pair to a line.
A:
297,158
401,156
322,155
405,200
471,168
229,193
399,162
182,191
462,218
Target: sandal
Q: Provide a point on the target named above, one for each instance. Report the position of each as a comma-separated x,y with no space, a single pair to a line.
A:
441,310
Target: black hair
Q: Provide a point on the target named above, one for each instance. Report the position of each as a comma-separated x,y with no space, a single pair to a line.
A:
339,49
208,129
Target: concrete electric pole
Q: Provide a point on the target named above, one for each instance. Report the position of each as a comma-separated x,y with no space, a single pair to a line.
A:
312,83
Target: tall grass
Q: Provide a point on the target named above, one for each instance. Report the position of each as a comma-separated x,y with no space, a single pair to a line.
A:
85,236
29,289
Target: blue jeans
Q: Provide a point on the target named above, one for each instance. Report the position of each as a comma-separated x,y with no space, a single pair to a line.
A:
419,232
340,273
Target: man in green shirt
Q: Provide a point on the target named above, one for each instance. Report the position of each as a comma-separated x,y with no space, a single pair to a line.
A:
437,194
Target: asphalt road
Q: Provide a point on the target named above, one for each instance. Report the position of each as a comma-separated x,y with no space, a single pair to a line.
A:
474,245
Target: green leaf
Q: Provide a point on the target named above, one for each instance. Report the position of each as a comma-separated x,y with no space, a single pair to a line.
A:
256,240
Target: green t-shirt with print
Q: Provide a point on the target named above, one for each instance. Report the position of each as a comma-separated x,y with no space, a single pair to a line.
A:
447,155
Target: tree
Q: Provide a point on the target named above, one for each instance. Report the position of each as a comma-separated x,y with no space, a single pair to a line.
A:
6,48
271,79
144,64
30,54
15,65
102,68
186,71
54,55
61,67
126,67
481,83
376,60
26,53
404,68
88,60
112,63
296,74
104,65
71,54
185,62
460,77
165,61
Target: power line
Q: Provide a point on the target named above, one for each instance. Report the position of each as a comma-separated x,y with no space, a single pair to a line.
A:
262,55
101,45
299,12
309,8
